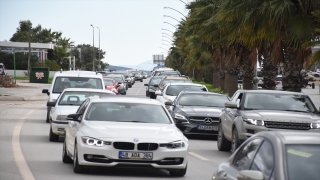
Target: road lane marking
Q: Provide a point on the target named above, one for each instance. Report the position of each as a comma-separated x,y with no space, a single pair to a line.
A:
16,148
139,90
198,156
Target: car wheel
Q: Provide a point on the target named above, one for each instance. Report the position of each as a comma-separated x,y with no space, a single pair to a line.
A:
130,86
223,144
141,80
65,157
48,114
53,137
178,173
235,140
77,168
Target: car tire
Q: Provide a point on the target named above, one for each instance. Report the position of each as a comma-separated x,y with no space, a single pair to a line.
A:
77,168
65,157
53,137
178,173
153,96
223,144
48,114
235,140
141,80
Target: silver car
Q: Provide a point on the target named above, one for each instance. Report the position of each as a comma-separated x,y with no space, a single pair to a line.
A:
252,111
274,155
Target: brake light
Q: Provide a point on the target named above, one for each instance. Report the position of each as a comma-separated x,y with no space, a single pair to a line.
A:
277,82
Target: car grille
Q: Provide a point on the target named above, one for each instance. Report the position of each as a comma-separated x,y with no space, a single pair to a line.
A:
201,120
287,125
123,145
148,146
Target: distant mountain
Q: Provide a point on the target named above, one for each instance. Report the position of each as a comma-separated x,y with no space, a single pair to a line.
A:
118,68
146,66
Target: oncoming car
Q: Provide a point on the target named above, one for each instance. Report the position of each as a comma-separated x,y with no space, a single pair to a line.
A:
68,103
118,130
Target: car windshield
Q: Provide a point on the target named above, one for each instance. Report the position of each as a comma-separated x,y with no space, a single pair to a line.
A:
281,102
108,82
62,83
174,90
303,161
117,79
75,98
167,81
155,81
209,100
127,112
114,75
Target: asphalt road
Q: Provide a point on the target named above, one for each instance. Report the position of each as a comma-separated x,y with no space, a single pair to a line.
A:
26,153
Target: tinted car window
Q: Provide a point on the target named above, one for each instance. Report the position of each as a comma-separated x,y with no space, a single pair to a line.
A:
264,159
303,161
155,81
127,112
174,90
245,155
62,83
208,100
284,102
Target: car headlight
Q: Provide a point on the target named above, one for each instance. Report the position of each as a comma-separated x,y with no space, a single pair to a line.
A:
254,121
315,125
179,116
94,142
174,145
61,117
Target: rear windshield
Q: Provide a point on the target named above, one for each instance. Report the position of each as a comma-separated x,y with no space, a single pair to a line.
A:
108,82
174,90
155,81
167,81
62,83
75,98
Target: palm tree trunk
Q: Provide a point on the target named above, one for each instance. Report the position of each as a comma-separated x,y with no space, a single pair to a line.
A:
291,80
247,68
269,70
231,76
216,77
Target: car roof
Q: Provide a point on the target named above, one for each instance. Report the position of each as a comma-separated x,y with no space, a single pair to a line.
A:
176,78
87,90
188,84
271,92
292,137
77,74
201,92
126,99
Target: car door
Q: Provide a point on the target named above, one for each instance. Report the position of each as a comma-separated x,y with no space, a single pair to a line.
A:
163,98
242,160
229,115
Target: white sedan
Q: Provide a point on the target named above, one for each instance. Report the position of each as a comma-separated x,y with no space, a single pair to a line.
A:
68,103
118,130
172,90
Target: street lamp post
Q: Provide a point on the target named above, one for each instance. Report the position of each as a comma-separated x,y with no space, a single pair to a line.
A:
93,49
99,66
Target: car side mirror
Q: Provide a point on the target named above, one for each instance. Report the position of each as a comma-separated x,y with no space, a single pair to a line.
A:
119,83
158,93
168,103
51,104
231,104
45,91
146,84
73,117
203,89
156,85
250,175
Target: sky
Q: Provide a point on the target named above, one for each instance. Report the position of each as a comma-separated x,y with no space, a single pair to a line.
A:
130,30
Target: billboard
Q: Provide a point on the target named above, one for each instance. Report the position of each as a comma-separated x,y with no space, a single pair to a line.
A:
158,59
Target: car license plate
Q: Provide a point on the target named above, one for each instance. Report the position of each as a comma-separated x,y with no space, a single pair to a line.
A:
207,128
136,155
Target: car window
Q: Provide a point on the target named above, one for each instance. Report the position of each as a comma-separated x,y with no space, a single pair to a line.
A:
264,159
282,102
245,154
108,82
127,112
75,98
303,161
62,83
208,100
155,81
174,90
167,81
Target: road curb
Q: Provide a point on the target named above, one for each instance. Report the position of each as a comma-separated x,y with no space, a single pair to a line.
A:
11,98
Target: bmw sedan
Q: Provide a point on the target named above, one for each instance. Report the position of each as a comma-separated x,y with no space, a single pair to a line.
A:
274,155
112,130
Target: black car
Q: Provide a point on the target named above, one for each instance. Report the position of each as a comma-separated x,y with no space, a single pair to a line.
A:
196,112
151,89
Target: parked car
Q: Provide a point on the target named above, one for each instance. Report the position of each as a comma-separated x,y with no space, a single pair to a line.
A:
279,82
72,79
274,155
252,111
151,86
2,69
196,112
172,90
119,130
111,85
68,103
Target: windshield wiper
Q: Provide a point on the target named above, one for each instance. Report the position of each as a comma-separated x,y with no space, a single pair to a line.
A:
134,121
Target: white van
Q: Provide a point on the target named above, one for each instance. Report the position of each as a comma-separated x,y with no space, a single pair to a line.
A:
72,79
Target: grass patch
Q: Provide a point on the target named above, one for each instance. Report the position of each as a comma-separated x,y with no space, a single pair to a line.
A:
27,78
209,87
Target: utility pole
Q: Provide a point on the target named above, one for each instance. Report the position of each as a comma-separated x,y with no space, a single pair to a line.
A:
93,49
99,66
29,54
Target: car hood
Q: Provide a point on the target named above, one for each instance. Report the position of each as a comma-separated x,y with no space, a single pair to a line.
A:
283,116
129,130
201,110
66,110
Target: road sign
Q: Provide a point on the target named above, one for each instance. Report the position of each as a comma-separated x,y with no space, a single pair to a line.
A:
158,59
